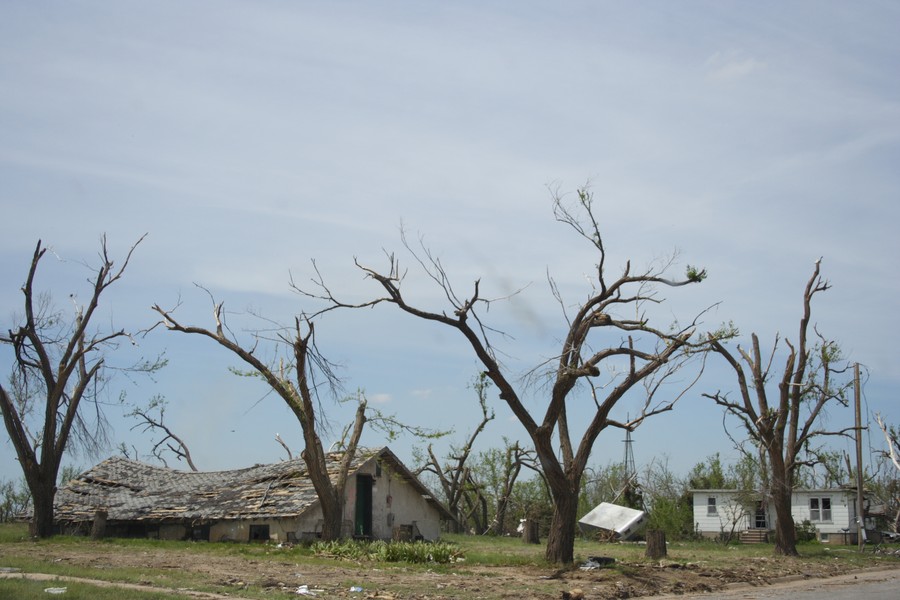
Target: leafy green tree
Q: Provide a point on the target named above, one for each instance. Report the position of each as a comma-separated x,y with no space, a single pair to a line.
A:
709,475
668,501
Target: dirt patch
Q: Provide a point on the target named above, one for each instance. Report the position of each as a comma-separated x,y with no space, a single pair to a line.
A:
283,576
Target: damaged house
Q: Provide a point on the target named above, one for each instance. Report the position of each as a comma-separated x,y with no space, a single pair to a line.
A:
384,500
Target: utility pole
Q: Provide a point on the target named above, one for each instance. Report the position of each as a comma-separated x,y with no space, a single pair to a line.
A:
860,508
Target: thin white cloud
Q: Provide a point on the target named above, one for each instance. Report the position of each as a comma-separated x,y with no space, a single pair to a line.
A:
380,398
732,66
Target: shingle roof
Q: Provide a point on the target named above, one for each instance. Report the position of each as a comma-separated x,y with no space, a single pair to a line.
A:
133,491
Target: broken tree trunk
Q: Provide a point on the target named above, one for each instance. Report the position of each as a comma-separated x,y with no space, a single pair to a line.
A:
530,532
656,544
98,528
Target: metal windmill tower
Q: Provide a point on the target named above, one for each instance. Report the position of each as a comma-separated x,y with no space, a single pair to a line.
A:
631,491
630,471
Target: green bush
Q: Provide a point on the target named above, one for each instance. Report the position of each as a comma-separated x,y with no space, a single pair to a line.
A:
806,531
412,552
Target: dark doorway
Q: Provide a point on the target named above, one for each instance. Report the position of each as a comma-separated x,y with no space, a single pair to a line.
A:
200,533
362,527
760,520
259,533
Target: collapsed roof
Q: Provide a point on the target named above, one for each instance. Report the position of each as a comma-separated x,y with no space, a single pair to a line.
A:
133,491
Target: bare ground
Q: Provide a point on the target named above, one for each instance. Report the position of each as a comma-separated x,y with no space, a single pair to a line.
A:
232,575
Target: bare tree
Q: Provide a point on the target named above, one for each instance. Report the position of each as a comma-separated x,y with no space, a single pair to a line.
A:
152,418
885,481
785,426
462,492
892,439
60,364
503,468
294,380
650,356
284,445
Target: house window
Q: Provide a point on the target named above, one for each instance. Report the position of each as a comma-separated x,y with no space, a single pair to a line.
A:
820,509
711,506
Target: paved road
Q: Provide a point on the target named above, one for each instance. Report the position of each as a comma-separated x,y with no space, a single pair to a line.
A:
868,585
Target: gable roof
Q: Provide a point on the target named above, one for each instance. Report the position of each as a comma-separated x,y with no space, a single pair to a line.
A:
133,491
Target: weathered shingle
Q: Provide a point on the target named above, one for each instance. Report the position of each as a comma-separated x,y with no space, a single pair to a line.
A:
134,491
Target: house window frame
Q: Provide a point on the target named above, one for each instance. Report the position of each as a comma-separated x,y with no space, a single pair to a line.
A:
711,508
818,511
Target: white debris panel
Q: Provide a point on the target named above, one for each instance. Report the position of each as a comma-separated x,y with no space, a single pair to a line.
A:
623,521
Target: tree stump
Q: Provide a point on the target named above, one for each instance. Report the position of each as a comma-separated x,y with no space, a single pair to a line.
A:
98,527
530,532
656,543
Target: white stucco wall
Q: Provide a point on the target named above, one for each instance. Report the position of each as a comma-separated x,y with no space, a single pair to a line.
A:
395,502
239,531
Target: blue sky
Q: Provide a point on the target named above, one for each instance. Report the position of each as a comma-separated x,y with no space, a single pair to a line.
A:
247,138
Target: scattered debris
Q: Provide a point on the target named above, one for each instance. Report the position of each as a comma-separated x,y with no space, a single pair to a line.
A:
61,590
304,590
356,588
596,562
620,521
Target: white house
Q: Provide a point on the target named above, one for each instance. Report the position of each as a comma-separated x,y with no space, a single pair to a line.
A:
831,511
277,502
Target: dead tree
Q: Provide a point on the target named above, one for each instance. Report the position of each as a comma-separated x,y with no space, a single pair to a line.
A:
284,445
892,439
149,420
59,364
786,425
891,497
294,380
455,476
650,356
514,459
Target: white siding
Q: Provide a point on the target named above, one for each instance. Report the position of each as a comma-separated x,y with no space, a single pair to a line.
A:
843,510
727,512
842,502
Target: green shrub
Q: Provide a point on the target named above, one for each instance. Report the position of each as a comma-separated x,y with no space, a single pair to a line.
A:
806,531
412,552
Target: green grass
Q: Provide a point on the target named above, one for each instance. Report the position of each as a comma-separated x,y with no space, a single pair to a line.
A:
13,532
22,589
478,552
